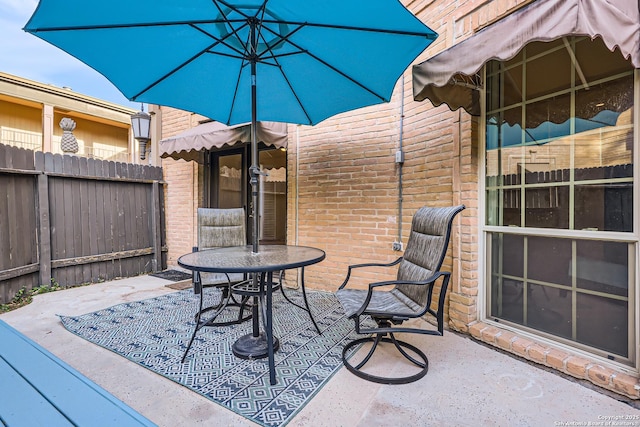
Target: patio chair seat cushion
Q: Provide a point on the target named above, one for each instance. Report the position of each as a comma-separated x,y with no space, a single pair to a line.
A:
381,302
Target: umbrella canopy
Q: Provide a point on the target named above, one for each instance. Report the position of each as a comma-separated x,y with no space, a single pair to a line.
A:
239,61
313,59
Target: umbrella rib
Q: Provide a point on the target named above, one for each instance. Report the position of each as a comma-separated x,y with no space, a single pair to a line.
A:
137,25
430,35
227,55
265,58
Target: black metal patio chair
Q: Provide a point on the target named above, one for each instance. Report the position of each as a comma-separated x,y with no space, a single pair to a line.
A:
411,295
218,228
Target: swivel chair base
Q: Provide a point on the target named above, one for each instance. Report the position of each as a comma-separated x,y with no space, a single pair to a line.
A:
423,364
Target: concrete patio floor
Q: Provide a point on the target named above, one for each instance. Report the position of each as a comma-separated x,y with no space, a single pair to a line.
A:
468,384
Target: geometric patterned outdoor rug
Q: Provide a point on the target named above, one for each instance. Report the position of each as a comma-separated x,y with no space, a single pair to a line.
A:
154,333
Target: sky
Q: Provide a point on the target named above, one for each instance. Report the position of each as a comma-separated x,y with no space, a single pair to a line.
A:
27,56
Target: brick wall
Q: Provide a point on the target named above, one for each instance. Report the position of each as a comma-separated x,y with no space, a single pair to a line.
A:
346,190
183,192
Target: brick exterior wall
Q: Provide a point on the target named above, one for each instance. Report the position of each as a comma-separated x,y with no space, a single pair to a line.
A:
183,192
343,192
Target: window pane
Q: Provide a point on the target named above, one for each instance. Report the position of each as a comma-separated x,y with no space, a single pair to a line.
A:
602,320
602,267
548,119
503,207
603,323
507,300
507,266
547,207
506,86
604,125
498,164
494,208
540,81
589,54
549,259
511,127
512,86
602,104
504,129
539,48
549,310
512,209
607,207
493,169
513,256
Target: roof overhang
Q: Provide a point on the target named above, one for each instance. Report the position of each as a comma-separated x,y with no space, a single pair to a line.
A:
190,144
451,76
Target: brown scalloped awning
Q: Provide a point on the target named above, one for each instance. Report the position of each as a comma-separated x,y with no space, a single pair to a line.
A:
190,144
451,76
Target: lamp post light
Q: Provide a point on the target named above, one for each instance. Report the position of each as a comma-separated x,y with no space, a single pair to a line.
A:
141,125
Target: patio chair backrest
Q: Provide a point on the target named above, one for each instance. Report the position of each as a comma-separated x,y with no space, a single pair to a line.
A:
426,249
218,228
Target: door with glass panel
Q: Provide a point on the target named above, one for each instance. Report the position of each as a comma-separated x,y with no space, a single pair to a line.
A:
229,179
559,181
229,188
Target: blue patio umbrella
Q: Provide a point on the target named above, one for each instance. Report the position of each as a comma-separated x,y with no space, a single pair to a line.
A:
241,61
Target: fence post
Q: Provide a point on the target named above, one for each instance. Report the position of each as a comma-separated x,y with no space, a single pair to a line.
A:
44,226
156,262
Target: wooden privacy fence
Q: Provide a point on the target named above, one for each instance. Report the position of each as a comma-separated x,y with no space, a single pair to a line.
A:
76,220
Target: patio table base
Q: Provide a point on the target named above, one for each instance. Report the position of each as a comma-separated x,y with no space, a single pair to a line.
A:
250,347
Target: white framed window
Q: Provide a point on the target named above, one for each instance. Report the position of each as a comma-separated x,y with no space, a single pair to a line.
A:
559,188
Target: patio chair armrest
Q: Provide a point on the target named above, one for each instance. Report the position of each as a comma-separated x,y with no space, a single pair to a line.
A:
354,266
429,281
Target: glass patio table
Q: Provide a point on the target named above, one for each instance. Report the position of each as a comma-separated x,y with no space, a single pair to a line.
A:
262,265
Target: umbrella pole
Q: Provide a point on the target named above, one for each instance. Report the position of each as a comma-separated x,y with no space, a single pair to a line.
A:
255,169
255,173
